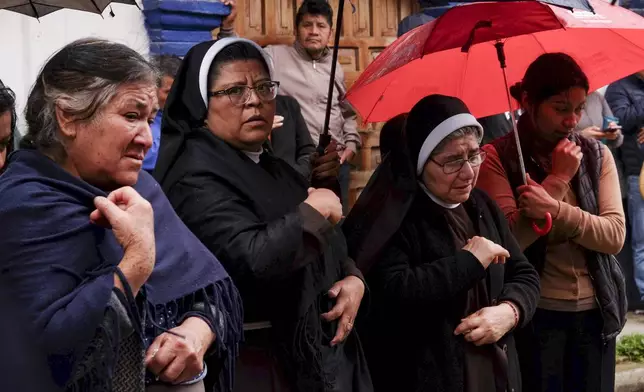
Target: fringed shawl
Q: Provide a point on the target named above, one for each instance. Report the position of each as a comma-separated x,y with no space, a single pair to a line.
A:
60,267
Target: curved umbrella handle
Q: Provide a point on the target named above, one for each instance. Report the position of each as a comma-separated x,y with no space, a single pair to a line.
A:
545,229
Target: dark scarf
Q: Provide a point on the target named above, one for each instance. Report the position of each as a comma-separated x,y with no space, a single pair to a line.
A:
69,302
607,277
271,189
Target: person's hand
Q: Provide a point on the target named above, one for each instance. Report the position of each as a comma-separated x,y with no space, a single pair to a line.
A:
566,159
614,135
348,294
592,132
128,214
327,165
278,121
229,21
347,156
640,136
176,359
535,201
487,325
486,251
131,219
326,203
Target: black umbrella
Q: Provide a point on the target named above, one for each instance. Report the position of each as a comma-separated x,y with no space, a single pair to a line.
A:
39,8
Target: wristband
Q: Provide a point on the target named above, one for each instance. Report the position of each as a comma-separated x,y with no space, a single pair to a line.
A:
515,311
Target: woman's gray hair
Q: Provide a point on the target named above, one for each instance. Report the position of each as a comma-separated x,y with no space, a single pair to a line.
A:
80,79
458,134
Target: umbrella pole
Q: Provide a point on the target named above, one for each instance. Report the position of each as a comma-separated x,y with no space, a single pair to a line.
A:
500,52
325,137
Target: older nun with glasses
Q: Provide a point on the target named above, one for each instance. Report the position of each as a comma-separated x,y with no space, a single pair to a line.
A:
448,281
275,236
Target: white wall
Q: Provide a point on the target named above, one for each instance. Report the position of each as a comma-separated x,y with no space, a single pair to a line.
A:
26,43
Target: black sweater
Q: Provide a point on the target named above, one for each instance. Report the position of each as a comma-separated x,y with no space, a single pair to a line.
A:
419,288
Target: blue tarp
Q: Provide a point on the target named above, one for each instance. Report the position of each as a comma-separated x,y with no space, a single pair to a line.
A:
157,19
158,35
191,6
176,48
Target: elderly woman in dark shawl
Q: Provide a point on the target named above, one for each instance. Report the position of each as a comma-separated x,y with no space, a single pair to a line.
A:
448,281
111,280
301,292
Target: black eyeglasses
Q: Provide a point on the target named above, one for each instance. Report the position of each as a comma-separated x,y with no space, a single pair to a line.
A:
454,166
239,95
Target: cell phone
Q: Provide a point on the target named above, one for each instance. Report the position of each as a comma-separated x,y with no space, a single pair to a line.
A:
611,130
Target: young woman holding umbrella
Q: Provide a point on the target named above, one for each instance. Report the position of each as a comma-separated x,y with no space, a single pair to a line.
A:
570,344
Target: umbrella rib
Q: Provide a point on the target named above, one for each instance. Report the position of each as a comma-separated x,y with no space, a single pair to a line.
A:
33,7
379,99
97,9
543,49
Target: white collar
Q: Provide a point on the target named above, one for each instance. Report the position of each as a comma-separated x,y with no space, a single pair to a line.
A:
436,199
253,155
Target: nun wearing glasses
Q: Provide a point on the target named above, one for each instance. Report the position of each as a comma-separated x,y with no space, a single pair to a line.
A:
276,237
448,282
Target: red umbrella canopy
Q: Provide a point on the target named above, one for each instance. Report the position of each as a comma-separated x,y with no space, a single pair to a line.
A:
455,54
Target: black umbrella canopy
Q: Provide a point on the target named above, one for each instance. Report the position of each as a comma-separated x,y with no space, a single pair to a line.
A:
581,5
39,8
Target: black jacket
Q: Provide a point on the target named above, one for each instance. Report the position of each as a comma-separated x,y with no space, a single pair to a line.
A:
418,291
292,141
282,254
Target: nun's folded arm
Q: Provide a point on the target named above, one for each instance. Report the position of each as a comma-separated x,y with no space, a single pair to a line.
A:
248,246
427,283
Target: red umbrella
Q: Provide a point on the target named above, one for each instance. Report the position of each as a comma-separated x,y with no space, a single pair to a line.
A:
608,45
459,54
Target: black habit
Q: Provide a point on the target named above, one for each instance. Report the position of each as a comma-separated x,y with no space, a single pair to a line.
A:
281,253
422,284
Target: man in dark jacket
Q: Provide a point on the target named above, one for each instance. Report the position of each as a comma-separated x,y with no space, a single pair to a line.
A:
626,100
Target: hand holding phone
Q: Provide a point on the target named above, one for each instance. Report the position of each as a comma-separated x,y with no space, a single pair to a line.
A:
613,129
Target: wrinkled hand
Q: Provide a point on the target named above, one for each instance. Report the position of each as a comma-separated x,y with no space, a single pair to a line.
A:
128,214
486,251
487,325
175,359
278,121
131,219
327,165
535,201
566,159
348,293
592,132
229,21
640,136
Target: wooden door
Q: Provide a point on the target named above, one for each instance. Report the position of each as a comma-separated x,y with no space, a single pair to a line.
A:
365,33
